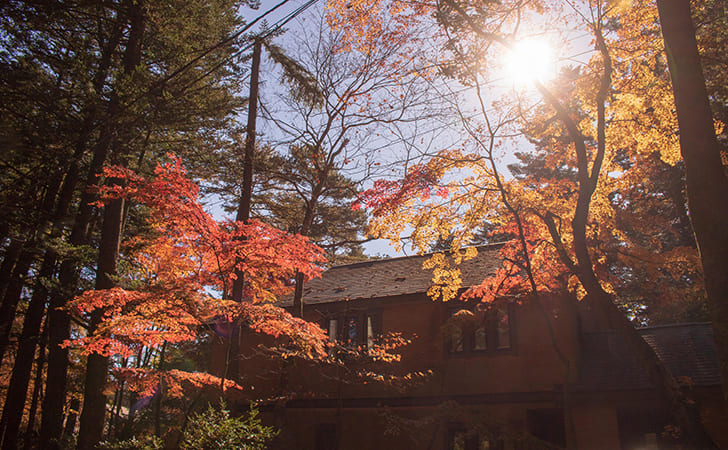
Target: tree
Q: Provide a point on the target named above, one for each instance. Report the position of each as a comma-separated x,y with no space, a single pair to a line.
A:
564,219
162,299
707,185
304,192
363,93
108,88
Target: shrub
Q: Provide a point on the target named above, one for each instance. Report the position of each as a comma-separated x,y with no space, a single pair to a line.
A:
216,429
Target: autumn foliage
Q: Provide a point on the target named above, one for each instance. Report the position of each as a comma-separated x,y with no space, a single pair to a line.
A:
166,293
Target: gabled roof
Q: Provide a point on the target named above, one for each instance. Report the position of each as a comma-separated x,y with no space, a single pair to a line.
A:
688,350
392,277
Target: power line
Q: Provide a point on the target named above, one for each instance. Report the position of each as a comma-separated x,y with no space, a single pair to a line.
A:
276,27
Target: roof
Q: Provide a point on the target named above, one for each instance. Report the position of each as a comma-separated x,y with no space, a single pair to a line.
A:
392,277
688,350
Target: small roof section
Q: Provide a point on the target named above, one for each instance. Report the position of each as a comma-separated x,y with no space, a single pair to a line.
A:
391,277
687,350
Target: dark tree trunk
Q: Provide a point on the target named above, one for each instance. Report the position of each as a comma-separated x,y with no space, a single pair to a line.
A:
160,394
12,297
7,310
684,414
94,400
232,369
23,367
30,433
311,206
11,255
246,194
59,320
707,186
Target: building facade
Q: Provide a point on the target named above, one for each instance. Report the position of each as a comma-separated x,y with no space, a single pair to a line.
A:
514,374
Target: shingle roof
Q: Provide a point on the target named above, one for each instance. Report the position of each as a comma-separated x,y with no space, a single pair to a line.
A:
688,350
391,277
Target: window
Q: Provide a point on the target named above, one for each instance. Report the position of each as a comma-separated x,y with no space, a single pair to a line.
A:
333,329
354,329
472,329
351,335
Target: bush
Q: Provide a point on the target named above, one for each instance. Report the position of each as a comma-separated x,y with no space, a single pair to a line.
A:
146,443
215,429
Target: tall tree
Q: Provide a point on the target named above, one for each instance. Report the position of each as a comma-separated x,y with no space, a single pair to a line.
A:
83,83
707,185
364,95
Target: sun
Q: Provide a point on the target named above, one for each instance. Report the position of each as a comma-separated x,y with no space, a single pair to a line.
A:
528,61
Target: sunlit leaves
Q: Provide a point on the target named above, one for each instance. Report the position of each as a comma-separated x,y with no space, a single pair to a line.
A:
165,296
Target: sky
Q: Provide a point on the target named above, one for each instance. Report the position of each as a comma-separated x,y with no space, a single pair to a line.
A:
284,10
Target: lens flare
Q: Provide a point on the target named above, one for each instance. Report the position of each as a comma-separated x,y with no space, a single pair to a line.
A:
528,61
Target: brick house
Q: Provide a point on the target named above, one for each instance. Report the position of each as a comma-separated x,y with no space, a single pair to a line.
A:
495,378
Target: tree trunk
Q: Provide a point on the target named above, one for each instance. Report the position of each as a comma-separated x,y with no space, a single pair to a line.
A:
30,433
59,321
7,310
59,326
12,297
94,400
311,206
246,194
232,369
12,252
707,186
160,394
14,408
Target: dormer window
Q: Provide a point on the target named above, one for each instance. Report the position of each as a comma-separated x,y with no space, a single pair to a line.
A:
471,329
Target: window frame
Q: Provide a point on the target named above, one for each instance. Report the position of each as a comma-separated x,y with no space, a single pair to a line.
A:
361,318
490,324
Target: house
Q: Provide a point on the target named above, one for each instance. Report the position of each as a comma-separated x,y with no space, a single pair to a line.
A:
514,375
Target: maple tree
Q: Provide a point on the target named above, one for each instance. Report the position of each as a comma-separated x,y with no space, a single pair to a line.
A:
161,298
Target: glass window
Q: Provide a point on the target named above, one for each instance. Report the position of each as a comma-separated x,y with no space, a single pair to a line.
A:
480,341
456,340
504,328
461,439
352,332
354,328
483,331
333,329
458,441
370,332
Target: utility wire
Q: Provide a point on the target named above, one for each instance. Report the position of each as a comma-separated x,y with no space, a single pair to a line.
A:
276,27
